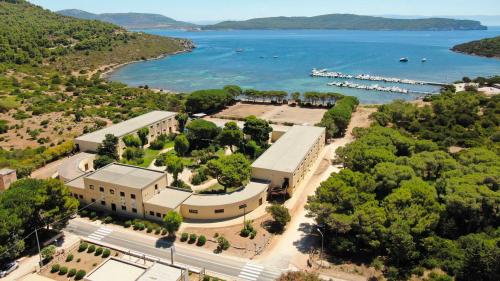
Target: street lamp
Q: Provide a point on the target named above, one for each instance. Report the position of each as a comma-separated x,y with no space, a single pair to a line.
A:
321,253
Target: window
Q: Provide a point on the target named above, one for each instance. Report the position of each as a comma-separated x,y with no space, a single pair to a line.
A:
243,206
124,208
151,213
191,211
80,196
219,211
91,187
112,191
156,186
93,200
103,203
260,201
158,215
132,196
134,210
101,189
122,194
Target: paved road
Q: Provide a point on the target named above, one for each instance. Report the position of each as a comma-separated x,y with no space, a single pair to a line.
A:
237,268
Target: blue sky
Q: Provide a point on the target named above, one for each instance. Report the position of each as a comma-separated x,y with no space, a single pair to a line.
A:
196,10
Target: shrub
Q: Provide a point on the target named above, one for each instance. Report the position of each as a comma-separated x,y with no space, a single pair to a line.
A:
201,240
78,260
69,258
93,215
192,238
84,213
91,249
83,246
108,219
127,224
63,270
157,230
163,231
184,237
150,229
139,226
72,272
98,251
222,243
106,253
55,268
206,278
157,145
80,274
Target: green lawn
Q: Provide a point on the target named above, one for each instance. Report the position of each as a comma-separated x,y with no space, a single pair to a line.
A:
217,189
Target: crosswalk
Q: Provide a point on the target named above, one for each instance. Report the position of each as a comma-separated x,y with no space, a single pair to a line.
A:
251,272
100,233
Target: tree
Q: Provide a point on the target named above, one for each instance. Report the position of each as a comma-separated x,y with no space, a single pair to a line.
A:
208,101
48,252
172,222
109,147
200,133
389,176
231,170
280,214
132,141
174,166
102,161
182,119
231,135
181,145
233,90
257,129
143,135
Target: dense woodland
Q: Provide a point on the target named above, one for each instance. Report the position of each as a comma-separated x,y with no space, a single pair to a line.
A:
419,190
489,47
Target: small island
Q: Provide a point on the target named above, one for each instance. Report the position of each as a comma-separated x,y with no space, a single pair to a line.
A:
488,47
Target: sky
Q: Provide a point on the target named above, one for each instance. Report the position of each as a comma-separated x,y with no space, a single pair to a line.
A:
200,10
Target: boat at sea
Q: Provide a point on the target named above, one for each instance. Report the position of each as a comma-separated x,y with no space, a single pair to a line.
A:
240,50
404,59
424,59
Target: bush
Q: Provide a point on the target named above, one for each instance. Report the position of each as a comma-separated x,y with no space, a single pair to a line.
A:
222,243
107,220
106,253
139,226
201,240
83,246
157,145
80,274
127,224
91,249
98,251
78,259
184,237
72,272
206,278
192,238
163,231
55,268
63,270
93,215
69,258
157,230
149,229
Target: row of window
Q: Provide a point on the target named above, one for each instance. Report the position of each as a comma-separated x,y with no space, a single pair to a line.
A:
112,191
151,213
221,211
113,206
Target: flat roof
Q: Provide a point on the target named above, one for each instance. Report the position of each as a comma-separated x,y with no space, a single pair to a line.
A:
127,127
252,189
6,171
170,198
125,175
113,269
70,168
286,154
161,272
76,183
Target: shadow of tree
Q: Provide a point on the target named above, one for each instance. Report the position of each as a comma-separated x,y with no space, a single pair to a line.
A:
272,227
165,242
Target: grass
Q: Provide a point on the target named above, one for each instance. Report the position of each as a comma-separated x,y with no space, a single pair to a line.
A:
217,189
149,156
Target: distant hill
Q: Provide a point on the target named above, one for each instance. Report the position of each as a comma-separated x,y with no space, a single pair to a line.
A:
131,20
489,47
351,22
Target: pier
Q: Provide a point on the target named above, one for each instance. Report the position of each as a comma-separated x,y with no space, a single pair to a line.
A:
334,74
376,87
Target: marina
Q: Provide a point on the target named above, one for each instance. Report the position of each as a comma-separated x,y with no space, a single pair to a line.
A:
334,74
376,87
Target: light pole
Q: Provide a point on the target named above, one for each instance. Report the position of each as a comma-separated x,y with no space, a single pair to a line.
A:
38,245
321,253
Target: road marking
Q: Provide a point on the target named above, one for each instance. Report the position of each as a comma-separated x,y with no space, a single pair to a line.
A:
100,233
251,272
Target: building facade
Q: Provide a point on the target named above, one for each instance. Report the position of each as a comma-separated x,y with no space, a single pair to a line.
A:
7,177
157,122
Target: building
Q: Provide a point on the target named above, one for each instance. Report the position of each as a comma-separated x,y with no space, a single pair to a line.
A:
119,188
158,122
288,160
7,177
122,270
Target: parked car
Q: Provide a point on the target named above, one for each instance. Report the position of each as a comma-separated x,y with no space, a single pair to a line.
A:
6,269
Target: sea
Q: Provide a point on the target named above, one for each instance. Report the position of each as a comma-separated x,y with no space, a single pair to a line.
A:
283,60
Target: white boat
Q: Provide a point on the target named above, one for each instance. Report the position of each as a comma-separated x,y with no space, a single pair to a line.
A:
405,59
424,60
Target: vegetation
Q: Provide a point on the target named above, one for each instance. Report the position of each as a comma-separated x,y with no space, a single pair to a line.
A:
208,101
230,136
281,216
201,133
405,200
30,204
489,47
172,222
349,22
337,119
257,129
222,244
175,167
298,276
231,170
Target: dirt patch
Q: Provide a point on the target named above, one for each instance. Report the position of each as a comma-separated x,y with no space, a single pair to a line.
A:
274,113
240,246
81,261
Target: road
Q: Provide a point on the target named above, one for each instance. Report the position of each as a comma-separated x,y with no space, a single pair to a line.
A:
234,267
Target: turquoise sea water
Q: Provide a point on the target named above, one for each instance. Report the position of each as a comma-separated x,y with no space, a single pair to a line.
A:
215,62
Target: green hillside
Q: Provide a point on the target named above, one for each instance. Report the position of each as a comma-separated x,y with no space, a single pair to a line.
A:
489,47
32,35
350,22
131,20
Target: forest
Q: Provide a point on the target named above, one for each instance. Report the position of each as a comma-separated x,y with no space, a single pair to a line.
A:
419,190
